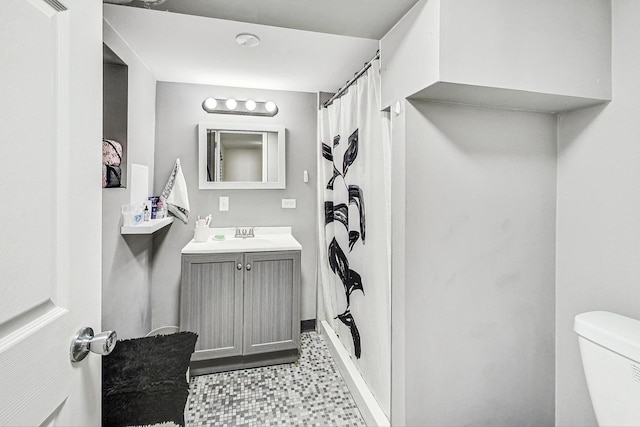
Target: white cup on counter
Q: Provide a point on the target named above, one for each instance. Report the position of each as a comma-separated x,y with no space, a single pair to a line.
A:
201,233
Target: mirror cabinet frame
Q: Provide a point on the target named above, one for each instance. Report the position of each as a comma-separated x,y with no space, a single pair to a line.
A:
204,184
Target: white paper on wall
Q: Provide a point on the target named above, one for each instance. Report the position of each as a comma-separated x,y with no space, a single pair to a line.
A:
139,184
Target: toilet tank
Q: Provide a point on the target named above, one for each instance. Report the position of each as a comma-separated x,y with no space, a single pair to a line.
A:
610,350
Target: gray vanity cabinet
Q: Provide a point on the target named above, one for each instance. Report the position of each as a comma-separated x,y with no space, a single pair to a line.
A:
211,303
242,306
271,302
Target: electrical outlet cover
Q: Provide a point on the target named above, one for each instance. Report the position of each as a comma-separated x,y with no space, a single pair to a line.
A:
288,203
224,203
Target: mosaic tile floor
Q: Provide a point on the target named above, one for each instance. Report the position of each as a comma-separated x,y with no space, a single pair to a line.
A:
309,393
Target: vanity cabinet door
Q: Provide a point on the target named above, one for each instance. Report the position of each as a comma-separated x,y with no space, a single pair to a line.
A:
211,303
271,301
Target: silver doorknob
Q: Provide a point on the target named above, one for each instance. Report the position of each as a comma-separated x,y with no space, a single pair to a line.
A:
248,267
85,341
239,266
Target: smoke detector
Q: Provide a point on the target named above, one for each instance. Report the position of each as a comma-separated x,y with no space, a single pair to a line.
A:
248,40
149,3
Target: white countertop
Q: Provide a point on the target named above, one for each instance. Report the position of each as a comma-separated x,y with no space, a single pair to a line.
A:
266,239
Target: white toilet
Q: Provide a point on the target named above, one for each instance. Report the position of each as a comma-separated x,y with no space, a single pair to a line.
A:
610,349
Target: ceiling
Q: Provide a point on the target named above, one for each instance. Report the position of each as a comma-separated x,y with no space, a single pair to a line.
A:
303,47
369,19
193,49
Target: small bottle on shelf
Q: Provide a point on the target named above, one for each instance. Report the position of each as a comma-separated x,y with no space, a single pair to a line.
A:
160,210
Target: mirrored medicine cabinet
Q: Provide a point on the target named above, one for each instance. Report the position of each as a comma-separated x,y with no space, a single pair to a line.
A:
241,156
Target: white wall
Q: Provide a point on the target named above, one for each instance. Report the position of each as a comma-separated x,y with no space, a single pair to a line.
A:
598,242
539,55
545,46
179,111
126,260
398,265
410,53
479,263
242,164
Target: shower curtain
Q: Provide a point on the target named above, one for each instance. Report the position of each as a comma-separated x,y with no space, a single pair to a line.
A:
355,228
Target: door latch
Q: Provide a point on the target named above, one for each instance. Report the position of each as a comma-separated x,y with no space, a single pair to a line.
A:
85,341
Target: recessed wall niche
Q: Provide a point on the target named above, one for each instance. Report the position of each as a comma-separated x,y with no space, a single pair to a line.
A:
114,120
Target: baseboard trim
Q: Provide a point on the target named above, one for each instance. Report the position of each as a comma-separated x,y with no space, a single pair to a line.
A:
367,404
211,366
308,325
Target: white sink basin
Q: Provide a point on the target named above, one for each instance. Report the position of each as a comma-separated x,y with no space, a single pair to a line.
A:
243,243
266,239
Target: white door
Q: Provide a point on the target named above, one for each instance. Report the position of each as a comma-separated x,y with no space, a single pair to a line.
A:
50,209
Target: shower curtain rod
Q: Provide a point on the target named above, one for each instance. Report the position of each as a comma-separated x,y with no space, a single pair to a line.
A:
344,88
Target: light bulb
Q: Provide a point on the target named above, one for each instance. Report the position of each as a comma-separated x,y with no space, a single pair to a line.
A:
231,104
250,105
270,106
210,103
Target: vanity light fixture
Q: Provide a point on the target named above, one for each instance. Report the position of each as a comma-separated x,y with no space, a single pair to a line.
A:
233,106
270,106
250,104
209,104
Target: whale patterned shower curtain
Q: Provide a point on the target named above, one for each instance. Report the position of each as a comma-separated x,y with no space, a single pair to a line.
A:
354,228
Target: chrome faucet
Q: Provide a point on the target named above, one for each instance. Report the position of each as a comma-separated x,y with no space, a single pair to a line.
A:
244,232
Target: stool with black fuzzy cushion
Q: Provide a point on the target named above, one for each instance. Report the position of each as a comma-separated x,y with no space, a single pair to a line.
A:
144,380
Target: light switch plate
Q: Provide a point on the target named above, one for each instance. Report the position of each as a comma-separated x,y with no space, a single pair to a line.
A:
288,203
224,203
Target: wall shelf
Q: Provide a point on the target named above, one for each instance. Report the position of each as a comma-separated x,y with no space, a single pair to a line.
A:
147,227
